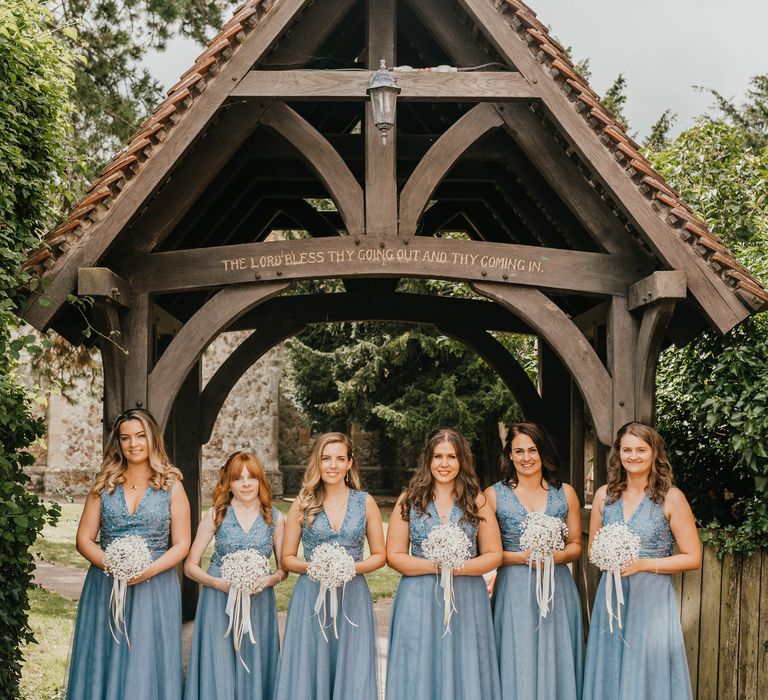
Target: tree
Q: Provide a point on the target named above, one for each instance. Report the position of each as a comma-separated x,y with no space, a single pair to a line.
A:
36,76
751,117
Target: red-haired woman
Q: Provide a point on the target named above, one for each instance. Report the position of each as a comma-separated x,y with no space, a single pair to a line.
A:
241,517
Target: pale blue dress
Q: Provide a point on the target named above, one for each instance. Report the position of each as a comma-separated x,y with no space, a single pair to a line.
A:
646,659
150,669
539,658
315,668
424,662
214,668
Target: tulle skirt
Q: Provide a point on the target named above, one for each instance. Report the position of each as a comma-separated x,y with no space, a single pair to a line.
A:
539,659
215,669
426,663
645,659
314,667
150,668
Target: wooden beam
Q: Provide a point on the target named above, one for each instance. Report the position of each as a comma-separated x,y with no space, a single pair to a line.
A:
548,268
566,341
352,85
716,299
113,356
650,341
190,342
622,358
662,284
434,166
588,321
102,283
139,341
342,186
234,367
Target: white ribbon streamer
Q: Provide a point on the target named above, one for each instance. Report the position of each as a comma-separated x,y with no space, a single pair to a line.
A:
117,609
239,612
545,582
322,611
449,597
613,581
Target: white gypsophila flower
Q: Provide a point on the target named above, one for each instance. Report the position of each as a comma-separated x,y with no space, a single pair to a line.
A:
331,566
245,570
447,546
127,557
543,534
614,546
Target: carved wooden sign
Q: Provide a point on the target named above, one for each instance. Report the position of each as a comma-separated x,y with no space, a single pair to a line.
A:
367,256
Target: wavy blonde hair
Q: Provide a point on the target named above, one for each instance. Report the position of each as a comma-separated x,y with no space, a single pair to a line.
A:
231,471
660,478
112,470
466,487
312,490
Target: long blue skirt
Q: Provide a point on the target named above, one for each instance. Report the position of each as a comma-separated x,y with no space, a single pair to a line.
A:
150,669
313,668
539,659
645,659
427,664
215,671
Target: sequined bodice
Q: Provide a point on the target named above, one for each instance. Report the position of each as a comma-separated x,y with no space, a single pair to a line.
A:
648,522
152,519
510,512
230,536
421,524
351,535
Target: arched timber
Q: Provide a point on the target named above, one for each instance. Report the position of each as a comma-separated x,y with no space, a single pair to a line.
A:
323,158
653,328
505,364
190,342
438,161
554,326
234,367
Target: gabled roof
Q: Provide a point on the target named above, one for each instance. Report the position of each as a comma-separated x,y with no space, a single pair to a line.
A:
129,164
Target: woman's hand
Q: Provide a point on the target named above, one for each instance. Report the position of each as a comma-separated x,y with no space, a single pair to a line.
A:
638,566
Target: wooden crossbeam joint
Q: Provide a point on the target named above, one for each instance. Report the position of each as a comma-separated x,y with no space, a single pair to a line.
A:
662,284
102,283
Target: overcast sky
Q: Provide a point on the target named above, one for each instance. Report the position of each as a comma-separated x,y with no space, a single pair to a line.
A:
663,48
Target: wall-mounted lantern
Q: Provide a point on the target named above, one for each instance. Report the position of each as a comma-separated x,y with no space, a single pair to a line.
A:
383,93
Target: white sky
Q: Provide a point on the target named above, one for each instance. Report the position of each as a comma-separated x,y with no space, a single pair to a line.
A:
663,48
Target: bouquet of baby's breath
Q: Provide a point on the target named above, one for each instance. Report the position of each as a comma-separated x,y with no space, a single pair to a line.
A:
448,547
246,571
125,558
544,535
333,568
613,547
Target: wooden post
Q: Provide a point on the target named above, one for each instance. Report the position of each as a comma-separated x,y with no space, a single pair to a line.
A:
139,339
622,347
555,389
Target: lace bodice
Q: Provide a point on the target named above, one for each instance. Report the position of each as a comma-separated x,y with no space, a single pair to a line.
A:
421,524
152,519
510,512
230,536
648,522
351,535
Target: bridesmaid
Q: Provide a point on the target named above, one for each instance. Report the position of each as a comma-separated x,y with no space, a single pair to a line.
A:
425,662
331,508
137,492
539,658
646,659
241,517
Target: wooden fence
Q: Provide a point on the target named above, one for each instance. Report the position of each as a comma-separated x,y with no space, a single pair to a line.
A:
724,613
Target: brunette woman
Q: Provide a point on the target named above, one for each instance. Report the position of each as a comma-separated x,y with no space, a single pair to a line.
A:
137,492
646,657
540,658
426,660
241,517
331,508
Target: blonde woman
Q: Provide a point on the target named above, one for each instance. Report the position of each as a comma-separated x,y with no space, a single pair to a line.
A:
137,492
331,508
241,517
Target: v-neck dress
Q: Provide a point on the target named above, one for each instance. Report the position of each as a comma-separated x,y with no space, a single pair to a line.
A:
424,662
215,671
645,659
539,658
102,668
315,668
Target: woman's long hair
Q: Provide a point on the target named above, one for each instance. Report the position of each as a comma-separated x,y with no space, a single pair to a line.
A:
550,464
466,488
312,490
660,478
232,469
112,470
